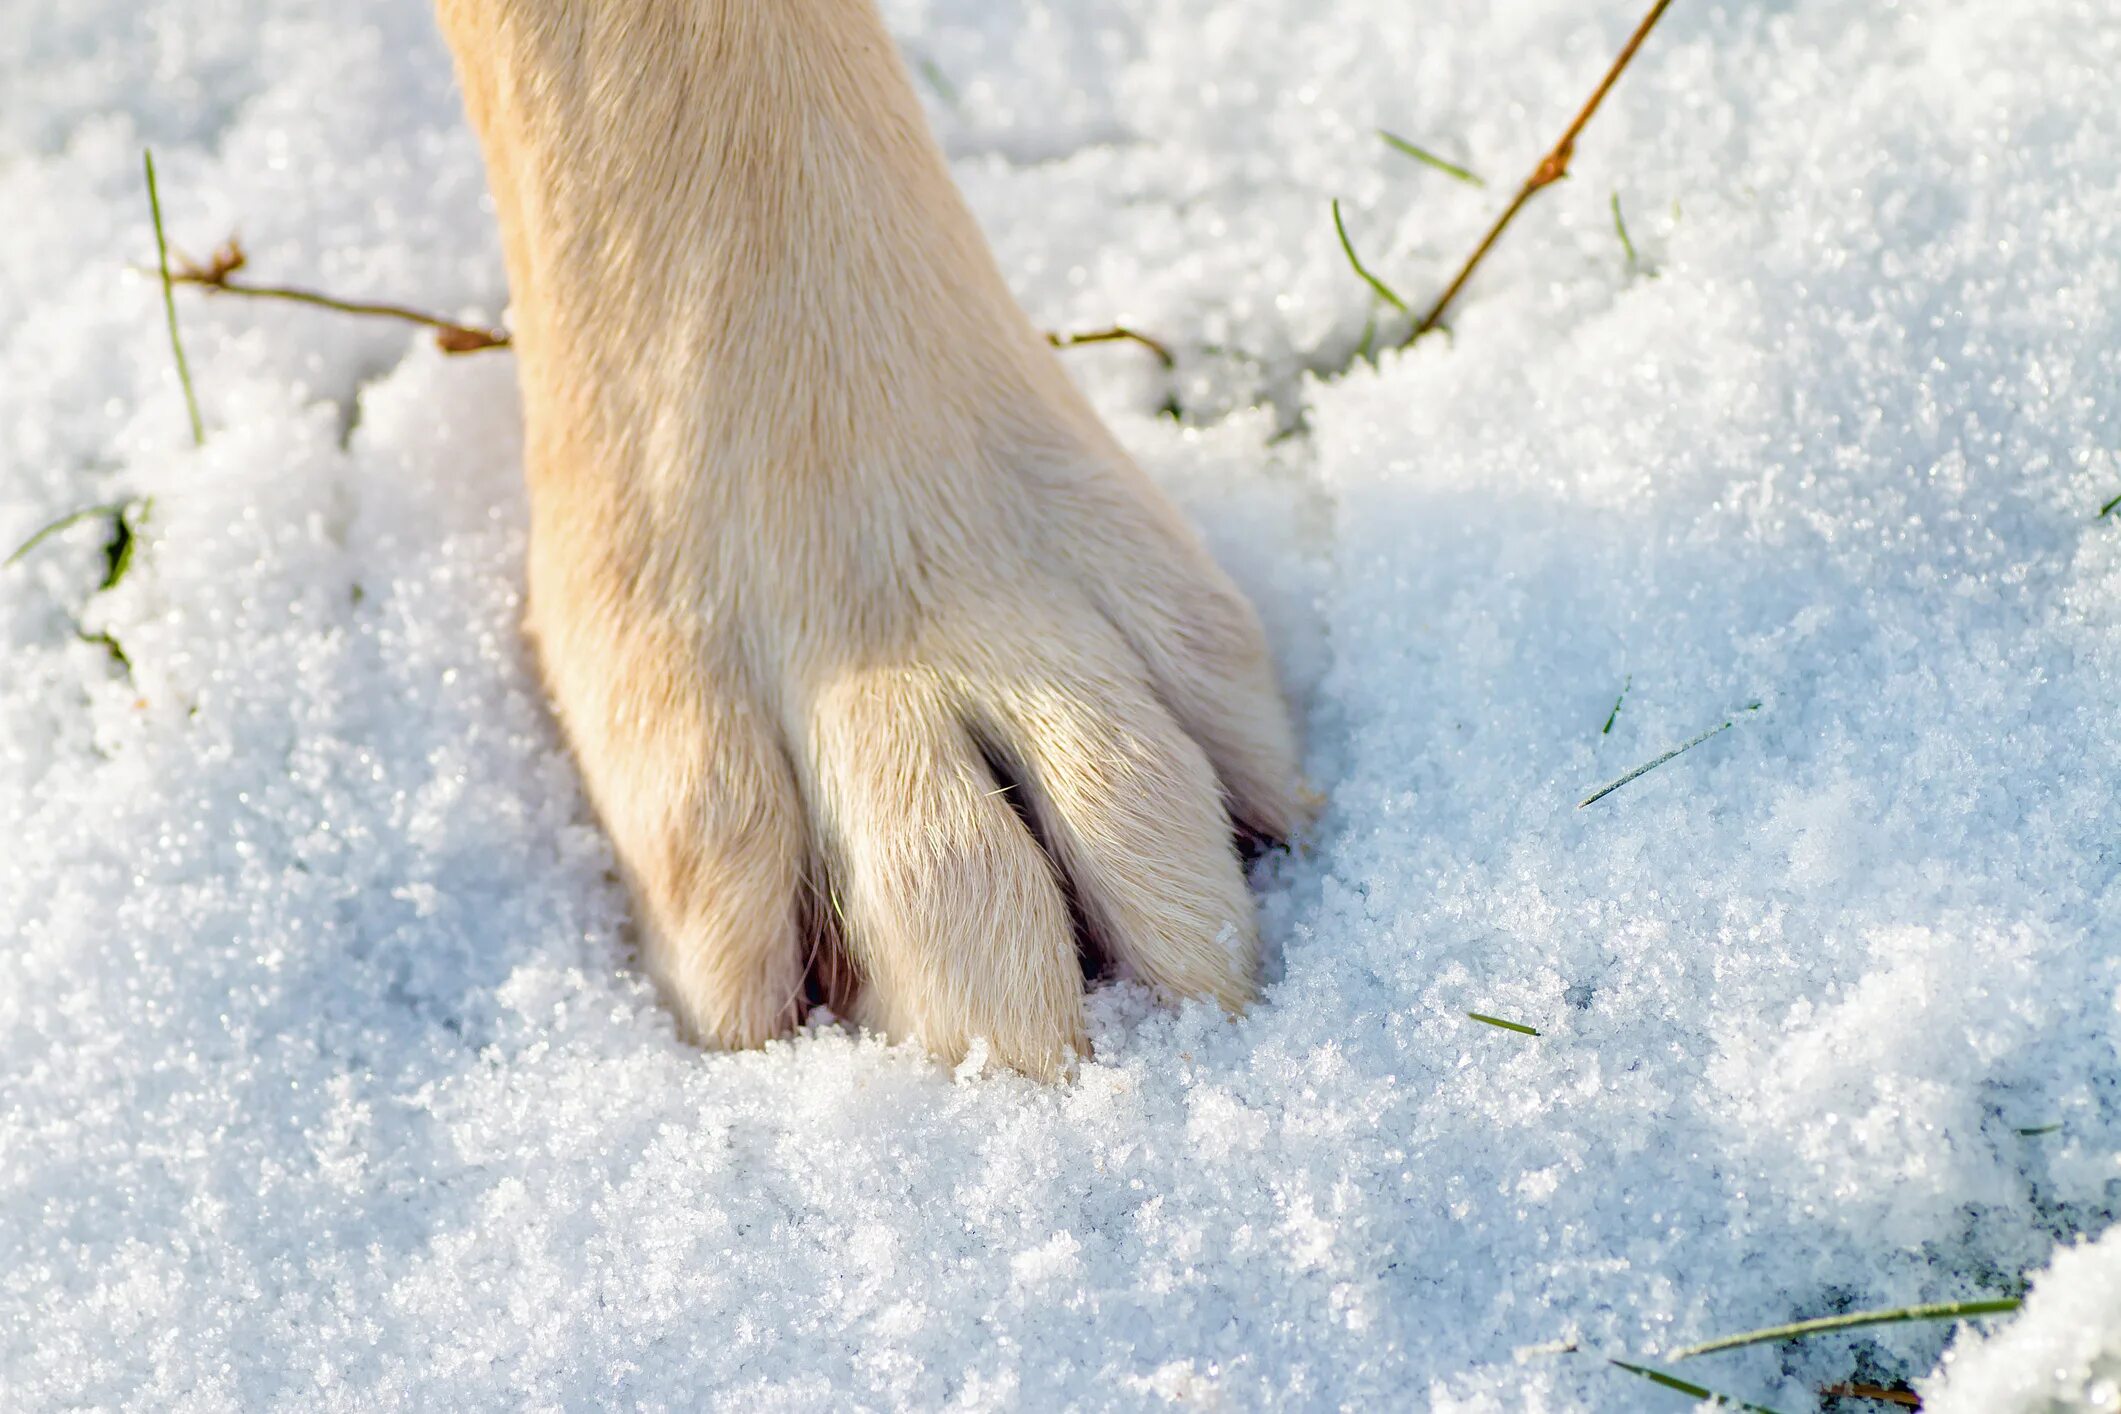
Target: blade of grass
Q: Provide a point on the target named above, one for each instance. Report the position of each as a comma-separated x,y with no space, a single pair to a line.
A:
1648,766
169,301
102,639
65,522
1516,1026
937,80
1364,350
1423,155
2040,1129
1673,1382
118,550
1614,715
1943,1311
2107,509
1347,247
1621,226
1116,334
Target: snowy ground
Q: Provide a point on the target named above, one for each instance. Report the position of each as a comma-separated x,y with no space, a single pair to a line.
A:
323,1085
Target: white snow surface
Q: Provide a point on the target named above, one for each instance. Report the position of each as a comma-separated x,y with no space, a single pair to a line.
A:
2061,1356
324,1080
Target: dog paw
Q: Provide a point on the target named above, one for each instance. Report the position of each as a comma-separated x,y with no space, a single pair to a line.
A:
925,777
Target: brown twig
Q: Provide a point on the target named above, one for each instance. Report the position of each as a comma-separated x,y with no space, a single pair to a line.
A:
216,276
1115,334
1551,169
1906,1398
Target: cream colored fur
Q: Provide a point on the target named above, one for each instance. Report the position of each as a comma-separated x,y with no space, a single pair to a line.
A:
819,525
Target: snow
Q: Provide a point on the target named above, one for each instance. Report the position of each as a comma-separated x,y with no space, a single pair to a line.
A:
324,1083
2061,1355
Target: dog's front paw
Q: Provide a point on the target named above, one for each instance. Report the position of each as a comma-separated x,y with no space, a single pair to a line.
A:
928,788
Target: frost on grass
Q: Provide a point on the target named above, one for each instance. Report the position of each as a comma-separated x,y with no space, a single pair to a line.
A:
323,1078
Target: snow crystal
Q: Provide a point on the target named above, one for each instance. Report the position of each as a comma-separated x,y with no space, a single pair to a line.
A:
324,1081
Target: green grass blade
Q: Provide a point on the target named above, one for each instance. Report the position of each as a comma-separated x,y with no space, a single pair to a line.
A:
67,521
937,80
2107,509
1620,225
1347,247
1648,766
1423,155
1516,1026
1614,715
118,550
2039,1129
1673,1382
1944,1311
169,302
102,639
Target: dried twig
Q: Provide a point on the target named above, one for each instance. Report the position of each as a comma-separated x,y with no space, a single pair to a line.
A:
217,276
1905,1398
1551,169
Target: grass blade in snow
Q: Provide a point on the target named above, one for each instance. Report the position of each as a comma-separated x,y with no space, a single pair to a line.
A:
1648,766
1944,1311
1423,155
1620,226
65,522
169,302
1614,715
1347,248
1687,1387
